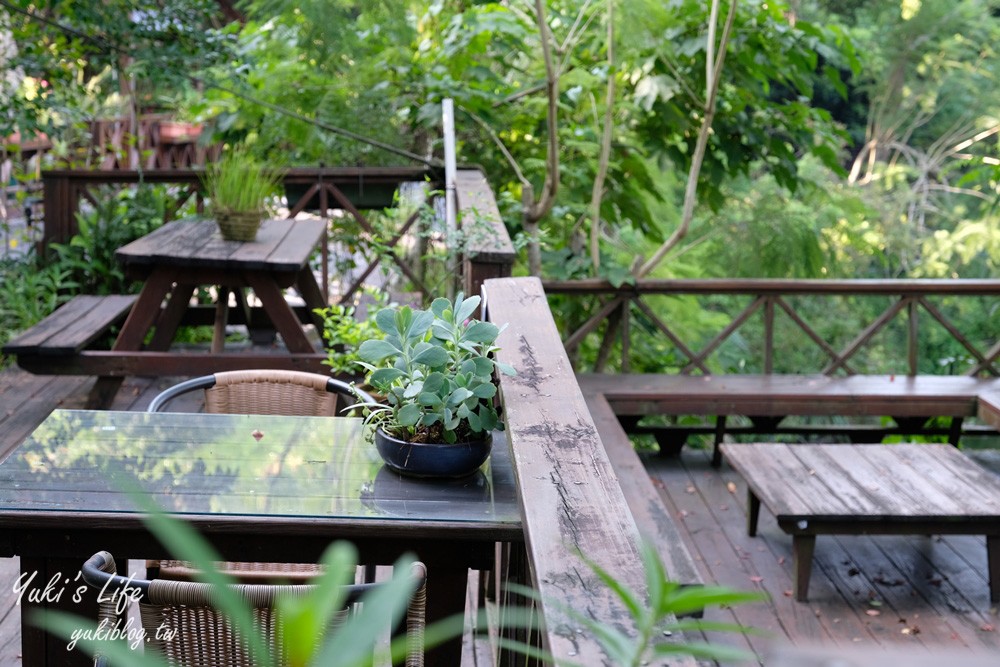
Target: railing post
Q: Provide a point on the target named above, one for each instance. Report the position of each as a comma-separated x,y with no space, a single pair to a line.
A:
913,330
768,335
61,198
488,251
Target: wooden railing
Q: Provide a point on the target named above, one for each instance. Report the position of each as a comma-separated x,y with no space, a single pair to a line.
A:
351,191
572,507
904,327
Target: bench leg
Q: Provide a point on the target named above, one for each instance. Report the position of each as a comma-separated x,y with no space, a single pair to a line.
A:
803,547
753,512
955,431
993,565
720,431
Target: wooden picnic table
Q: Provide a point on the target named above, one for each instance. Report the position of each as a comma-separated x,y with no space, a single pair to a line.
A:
173,262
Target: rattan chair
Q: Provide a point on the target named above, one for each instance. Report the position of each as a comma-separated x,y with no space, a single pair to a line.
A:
200,636
260,392
268,392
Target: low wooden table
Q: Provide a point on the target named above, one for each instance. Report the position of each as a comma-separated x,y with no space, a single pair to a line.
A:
869,489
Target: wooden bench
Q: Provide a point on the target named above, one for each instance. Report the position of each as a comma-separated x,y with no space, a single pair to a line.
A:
869,489
651,516
73,326
989,408
767,399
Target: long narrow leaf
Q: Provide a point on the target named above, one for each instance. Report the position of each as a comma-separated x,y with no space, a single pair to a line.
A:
83,631
184,542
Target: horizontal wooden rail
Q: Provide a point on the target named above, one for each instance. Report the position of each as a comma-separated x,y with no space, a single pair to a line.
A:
620,313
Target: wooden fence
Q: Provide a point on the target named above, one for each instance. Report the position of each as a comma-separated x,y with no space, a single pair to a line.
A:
904,327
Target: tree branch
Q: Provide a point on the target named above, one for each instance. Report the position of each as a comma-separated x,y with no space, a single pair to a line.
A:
701,145
597,193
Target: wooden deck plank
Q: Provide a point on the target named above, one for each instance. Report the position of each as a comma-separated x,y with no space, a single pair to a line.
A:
943,594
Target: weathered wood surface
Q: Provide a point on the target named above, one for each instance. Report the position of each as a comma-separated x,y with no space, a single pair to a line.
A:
868,488
281,245
875,594
73,326
651,517
989,408
489,252
572,502
779,395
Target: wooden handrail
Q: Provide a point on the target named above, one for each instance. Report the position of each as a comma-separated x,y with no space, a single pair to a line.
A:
768,286
913,300
572,506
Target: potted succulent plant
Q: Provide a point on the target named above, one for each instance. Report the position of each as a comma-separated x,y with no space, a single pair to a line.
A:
436,371
239,187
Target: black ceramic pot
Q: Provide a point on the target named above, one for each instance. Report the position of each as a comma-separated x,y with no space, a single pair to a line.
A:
418,459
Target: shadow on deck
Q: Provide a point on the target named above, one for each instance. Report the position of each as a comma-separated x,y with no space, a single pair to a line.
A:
926,593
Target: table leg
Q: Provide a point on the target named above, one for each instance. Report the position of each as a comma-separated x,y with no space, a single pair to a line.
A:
447,585
720,432
753,512
993,566
145,311
140,319
311,293
221,320
170,319
50,585
281,314
803,547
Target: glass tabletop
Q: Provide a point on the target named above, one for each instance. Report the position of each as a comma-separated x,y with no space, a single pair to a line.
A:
237,465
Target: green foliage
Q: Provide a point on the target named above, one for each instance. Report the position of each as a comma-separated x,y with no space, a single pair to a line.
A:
343,333
307,627
654,616
764,115
119,218
434,368
79,56
28,293
239,182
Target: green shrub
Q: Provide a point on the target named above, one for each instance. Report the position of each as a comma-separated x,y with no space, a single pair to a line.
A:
118,219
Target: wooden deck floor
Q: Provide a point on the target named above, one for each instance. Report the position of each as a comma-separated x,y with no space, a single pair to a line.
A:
925,593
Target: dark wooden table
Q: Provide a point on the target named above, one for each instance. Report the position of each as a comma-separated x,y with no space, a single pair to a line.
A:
905,489
180,257
307,482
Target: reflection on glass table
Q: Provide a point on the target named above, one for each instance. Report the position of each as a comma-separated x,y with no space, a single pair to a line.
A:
236,465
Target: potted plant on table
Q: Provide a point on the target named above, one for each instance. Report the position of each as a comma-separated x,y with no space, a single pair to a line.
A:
436,371
239,187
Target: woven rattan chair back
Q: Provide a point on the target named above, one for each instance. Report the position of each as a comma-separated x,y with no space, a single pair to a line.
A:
183,626
267,392
260,392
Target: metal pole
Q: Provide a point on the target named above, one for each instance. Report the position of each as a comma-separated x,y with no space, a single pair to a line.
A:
450,175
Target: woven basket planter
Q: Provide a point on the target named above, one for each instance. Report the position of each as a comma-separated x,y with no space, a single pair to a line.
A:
238,226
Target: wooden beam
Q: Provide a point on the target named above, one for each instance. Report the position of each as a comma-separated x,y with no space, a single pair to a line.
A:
572,505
